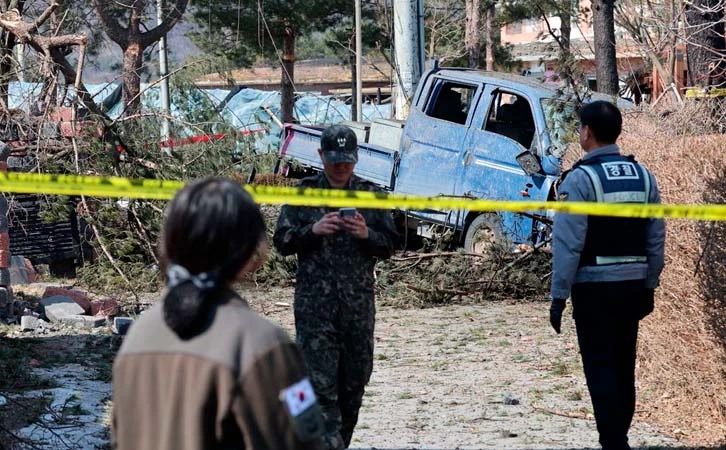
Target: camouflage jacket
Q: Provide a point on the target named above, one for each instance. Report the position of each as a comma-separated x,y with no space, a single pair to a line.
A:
334,263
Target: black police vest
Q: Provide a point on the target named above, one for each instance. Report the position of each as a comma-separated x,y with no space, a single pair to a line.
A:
616,240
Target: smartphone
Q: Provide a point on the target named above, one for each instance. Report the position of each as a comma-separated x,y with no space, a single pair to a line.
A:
347,212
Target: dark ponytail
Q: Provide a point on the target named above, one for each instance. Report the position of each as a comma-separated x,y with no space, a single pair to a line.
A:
187,309
212,229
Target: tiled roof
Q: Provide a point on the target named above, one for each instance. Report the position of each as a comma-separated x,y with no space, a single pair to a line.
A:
306,72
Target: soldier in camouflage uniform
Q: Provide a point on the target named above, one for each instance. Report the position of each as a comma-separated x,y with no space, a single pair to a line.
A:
334,294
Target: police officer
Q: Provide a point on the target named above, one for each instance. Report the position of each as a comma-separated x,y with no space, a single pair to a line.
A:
609,266
334,293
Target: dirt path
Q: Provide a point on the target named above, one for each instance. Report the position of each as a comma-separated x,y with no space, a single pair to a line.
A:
493,376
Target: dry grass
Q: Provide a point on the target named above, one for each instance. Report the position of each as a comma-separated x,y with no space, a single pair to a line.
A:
682,351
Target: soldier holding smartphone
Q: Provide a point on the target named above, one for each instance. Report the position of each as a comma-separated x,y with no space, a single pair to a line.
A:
334,294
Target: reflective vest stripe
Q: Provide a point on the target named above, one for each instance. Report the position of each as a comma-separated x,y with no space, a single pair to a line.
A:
604,260
596,183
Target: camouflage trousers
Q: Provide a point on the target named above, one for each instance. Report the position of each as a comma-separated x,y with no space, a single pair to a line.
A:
338,352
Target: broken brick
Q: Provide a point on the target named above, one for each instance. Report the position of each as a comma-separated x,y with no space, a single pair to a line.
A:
105,308
78,296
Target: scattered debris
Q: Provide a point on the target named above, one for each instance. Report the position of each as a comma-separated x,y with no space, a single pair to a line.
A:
64,309
121,325
29,323
105,308
430,279
81,298
510,399
571,415
3,401
81,321
59,306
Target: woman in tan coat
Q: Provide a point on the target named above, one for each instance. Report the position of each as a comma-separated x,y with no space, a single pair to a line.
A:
200,370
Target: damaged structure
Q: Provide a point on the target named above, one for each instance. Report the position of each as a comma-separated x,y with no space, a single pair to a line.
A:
5,290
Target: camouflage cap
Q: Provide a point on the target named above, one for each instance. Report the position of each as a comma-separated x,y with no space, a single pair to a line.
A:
339,145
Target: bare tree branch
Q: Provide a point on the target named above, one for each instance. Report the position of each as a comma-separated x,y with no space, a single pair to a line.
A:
156,33
115,31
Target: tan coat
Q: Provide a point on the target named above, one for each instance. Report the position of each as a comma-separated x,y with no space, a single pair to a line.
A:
222,389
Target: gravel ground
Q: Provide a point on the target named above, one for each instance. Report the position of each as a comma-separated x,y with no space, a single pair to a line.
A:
462,377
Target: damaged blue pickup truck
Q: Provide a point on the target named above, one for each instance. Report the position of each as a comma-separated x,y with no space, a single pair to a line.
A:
469,133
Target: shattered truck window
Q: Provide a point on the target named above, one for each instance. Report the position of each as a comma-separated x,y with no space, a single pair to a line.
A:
452,102
510,115
562,123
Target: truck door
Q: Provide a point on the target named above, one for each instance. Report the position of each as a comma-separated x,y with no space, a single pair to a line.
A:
432,141
490,168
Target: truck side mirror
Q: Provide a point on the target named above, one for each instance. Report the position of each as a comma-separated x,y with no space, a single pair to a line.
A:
529,162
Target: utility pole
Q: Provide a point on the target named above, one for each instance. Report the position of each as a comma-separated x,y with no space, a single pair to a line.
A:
358,62
409,56
20,58
163,73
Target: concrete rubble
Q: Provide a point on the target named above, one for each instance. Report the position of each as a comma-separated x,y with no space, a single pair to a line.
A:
80,298
121,325
68,310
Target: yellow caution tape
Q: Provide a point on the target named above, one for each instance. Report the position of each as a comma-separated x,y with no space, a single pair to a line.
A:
705,92
93,186
115,187
358,199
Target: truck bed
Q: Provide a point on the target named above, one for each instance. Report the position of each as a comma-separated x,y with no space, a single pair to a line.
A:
375,164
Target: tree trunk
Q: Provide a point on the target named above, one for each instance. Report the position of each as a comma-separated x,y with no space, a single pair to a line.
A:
133,41
132,64
7,42
472,33
605,59
565,27
706,46
287,91
491,36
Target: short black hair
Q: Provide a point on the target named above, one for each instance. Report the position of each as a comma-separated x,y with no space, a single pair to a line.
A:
212,226
604,120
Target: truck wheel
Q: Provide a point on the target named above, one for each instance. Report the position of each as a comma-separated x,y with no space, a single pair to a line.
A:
483,233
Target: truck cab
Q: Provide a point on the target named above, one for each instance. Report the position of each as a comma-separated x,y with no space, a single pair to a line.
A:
462,138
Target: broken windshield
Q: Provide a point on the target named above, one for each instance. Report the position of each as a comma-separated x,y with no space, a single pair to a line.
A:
562,123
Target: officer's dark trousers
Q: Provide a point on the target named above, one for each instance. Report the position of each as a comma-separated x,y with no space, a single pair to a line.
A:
606,318
338,351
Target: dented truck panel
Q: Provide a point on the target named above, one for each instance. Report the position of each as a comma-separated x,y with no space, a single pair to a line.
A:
376,164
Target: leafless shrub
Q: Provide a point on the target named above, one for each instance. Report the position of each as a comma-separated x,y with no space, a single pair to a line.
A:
682,352
711,266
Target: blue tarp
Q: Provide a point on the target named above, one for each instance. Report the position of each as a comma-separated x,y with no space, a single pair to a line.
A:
243,111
